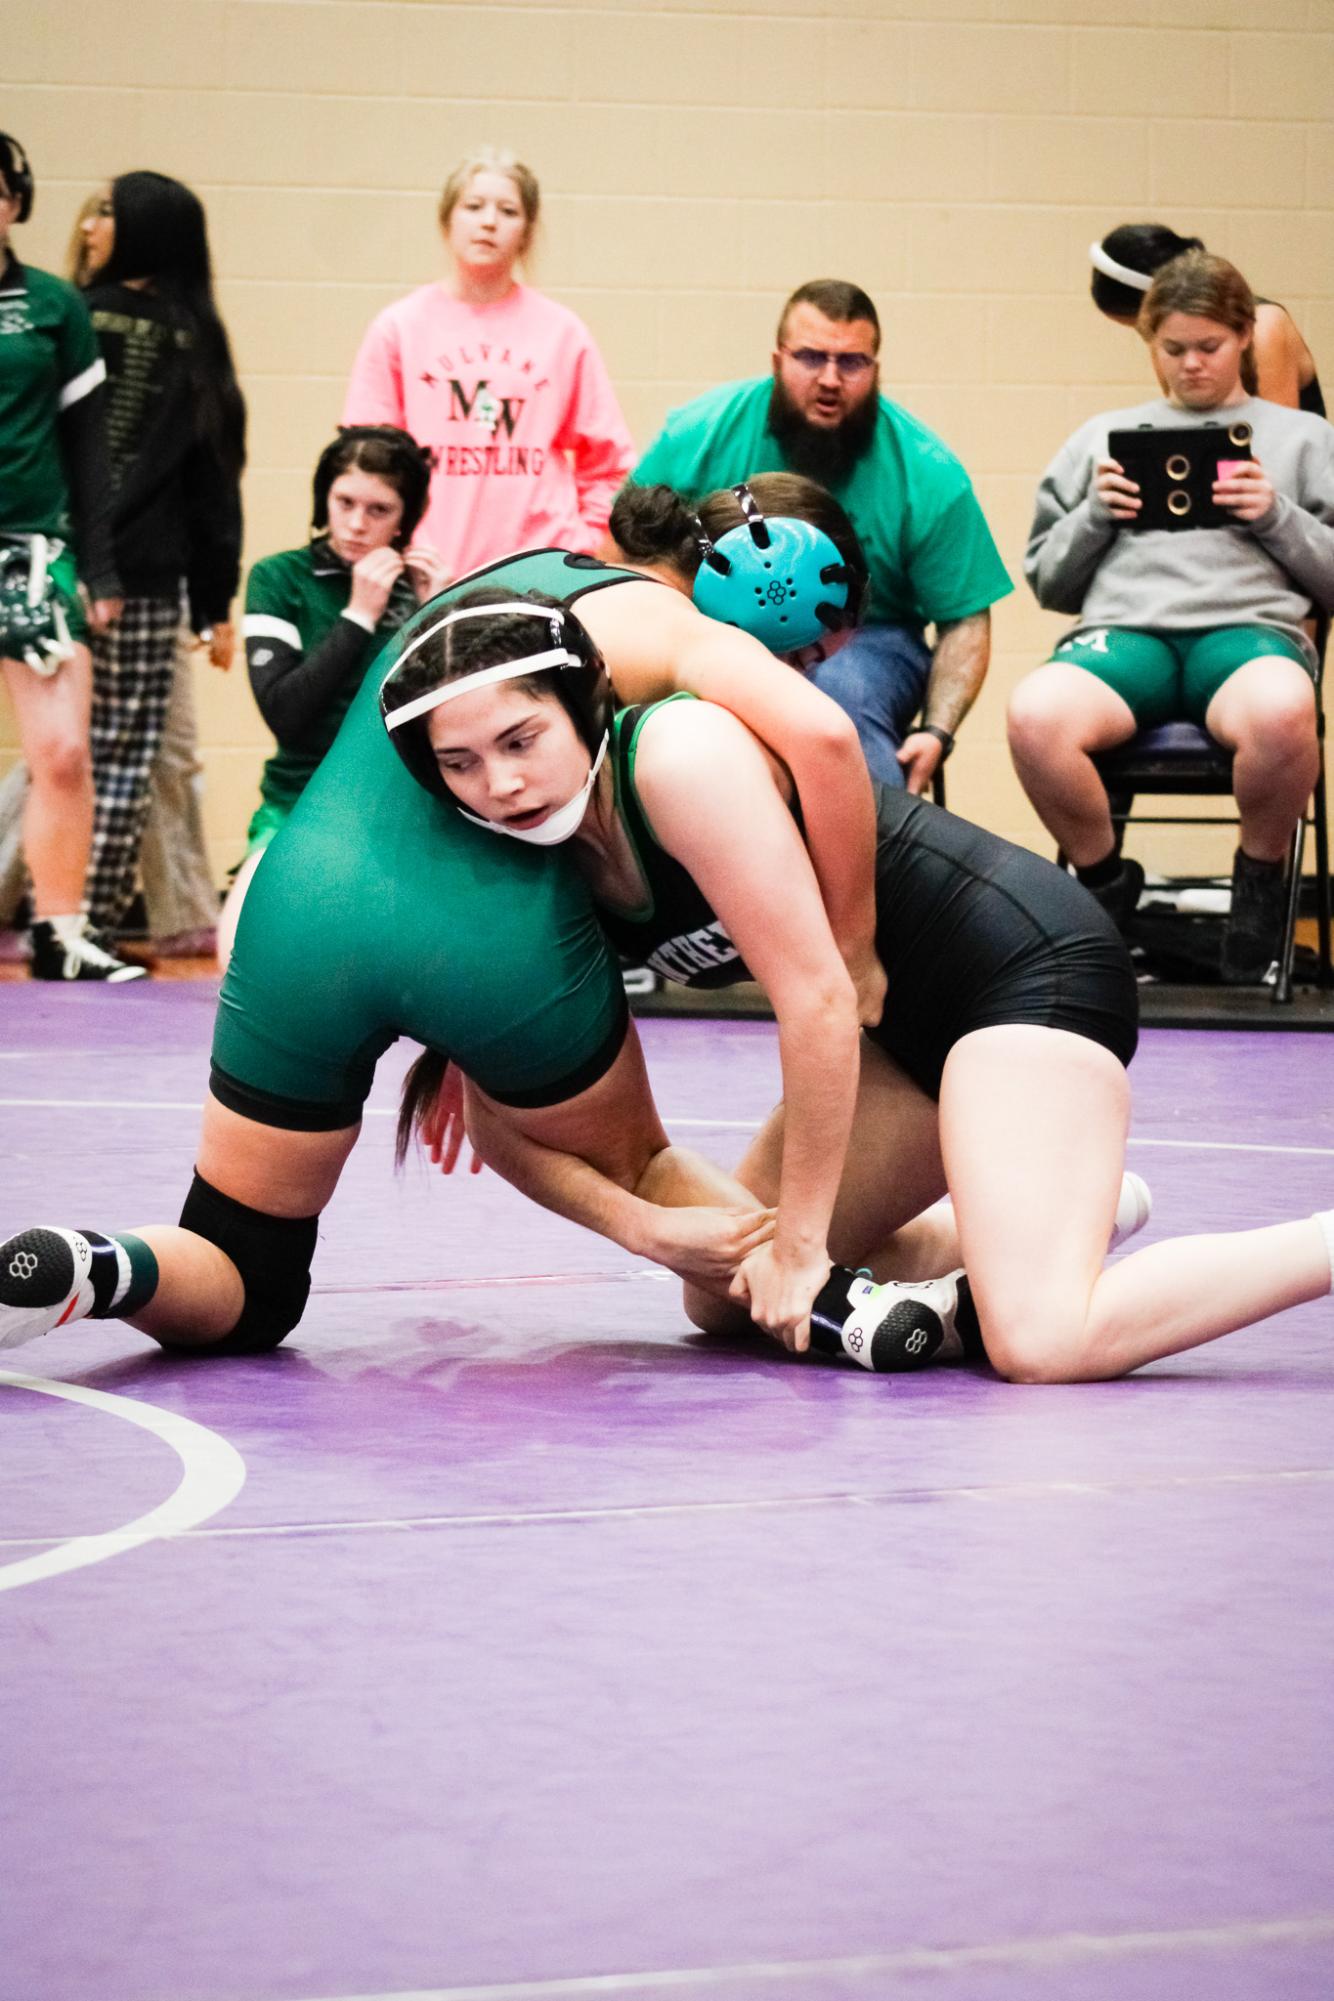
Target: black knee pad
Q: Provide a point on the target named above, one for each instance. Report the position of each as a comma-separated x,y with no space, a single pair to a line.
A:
273,1256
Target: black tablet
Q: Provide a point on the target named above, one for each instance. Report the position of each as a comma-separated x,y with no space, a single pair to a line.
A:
1175,470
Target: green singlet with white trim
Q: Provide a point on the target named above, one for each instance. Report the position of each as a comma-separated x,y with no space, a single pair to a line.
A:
378,911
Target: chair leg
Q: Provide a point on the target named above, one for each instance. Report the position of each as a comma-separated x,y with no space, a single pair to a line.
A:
1324,977
1288,947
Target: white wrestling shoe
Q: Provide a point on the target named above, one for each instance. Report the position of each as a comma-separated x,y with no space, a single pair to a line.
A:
891,1328
45,1280
1133,1209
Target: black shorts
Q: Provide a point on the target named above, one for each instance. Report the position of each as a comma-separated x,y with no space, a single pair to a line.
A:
975,932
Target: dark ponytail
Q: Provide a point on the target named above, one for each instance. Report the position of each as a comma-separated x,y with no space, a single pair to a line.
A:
421,1087
652,524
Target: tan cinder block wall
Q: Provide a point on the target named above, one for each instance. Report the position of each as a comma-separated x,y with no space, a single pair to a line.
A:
698,160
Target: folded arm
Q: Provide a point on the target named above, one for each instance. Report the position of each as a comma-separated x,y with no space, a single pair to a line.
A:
660,645
1071,534
711,797
602,1160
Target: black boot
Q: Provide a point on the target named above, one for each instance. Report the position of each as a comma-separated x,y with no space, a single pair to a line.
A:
1120,897
1254,935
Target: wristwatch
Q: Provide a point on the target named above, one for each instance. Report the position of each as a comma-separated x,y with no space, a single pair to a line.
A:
943,737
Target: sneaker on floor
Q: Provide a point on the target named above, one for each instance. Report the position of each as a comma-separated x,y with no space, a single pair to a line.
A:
199,944
1133,1209
45,1275
71,951
1253,938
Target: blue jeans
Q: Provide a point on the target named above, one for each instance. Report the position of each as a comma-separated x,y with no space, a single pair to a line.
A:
878,677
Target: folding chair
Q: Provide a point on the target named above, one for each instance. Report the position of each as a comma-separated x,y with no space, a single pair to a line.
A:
1183,760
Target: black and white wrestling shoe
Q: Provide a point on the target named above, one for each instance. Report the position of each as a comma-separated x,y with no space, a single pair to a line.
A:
895,1327
905,1324
68,948
48,1277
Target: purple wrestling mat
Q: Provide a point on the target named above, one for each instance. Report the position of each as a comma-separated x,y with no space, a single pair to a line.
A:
496,1638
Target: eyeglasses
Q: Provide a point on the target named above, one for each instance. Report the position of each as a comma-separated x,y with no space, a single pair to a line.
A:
815,361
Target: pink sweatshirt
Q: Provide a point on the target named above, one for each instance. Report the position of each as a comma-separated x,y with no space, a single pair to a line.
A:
517,411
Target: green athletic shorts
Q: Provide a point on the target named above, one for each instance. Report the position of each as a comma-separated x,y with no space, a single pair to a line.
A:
1168,677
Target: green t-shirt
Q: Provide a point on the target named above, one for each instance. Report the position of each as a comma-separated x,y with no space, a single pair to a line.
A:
930,551
48,361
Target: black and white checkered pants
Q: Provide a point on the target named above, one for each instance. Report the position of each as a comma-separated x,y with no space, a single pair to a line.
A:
133,664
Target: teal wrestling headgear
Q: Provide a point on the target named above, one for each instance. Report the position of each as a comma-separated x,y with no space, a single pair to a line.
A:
781,580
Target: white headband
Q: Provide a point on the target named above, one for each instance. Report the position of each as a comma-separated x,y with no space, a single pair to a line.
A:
508,670
1138,281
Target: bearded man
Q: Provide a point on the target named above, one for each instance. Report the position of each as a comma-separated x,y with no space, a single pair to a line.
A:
932,558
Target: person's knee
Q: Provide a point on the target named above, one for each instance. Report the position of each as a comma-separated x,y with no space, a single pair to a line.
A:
1283,728
1265,699
702,1310
712,1315
272,1256
60,759
1040,722
1029,1344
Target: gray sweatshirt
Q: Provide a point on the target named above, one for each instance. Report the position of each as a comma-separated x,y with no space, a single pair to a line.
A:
1268,572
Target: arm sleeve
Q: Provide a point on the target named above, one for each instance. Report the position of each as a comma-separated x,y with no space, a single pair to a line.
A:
1300,536
213,498
957,569
83,445
596,435
292,685
375,388
1071,531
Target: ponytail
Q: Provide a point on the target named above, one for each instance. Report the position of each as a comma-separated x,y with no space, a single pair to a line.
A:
421,1088
652,524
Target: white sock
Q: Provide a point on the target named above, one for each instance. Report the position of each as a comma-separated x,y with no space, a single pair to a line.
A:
1325,1218
1133,1209
69,929
124,1273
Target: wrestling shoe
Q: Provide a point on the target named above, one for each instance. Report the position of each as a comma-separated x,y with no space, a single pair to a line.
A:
895,1327
1133,1209
46,1279
75,952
